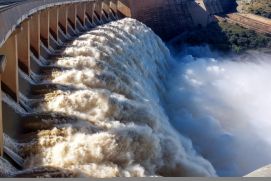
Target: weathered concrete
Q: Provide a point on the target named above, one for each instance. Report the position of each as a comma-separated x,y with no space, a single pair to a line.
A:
261,172
63,18
172,17
200,15
89,10
18,12
166,18
72,11
24,47
81,9
10,74
29,33
44,27
35,34
54,19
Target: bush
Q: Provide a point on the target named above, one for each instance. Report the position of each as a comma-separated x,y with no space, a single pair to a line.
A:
241,39
260,7
227,37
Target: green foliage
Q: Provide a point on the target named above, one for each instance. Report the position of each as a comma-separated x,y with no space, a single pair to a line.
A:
227,37
241,39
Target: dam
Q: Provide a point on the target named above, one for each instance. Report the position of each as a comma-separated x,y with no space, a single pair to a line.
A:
88,90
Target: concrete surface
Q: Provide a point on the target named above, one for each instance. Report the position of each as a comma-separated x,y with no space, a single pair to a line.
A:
261,172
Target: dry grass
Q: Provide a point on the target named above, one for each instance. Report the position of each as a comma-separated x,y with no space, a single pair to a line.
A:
258,7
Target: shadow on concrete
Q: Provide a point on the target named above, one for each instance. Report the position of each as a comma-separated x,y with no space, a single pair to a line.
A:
206,28
211,35
230,6
170,18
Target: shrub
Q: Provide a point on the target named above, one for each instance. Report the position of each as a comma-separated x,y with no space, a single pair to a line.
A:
226,37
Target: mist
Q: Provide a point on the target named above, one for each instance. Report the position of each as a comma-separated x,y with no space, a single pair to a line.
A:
222,103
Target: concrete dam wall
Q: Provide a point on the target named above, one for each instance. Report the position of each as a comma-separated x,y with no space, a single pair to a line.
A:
32,29
166,17
169,18
38,43
83,87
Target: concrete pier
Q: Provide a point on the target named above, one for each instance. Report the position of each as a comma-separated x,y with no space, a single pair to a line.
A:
24,44
35,34
54,20
32,32
10,75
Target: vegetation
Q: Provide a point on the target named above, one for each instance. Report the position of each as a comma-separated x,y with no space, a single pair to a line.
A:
258,7
226,37
240,39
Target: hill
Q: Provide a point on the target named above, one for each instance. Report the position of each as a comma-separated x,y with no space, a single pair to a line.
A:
258,7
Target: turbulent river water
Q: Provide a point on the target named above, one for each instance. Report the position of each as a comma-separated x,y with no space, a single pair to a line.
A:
136,110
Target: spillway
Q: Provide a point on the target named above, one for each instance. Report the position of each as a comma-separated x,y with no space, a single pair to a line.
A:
94,95
110,87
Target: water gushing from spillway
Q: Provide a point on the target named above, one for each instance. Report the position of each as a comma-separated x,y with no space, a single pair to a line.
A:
134,110
115,76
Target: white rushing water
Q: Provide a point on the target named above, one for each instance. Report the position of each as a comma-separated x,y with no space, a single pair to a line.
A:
134,110
116,74
222,103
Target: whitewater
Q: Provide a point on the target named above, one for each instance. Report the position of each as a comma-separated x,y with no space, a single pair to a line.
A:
221,102
114,77
135,108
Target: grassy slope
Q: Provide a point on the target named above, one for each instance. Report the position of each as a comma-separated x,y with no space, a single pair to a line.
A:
226,37
258,7
240,39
